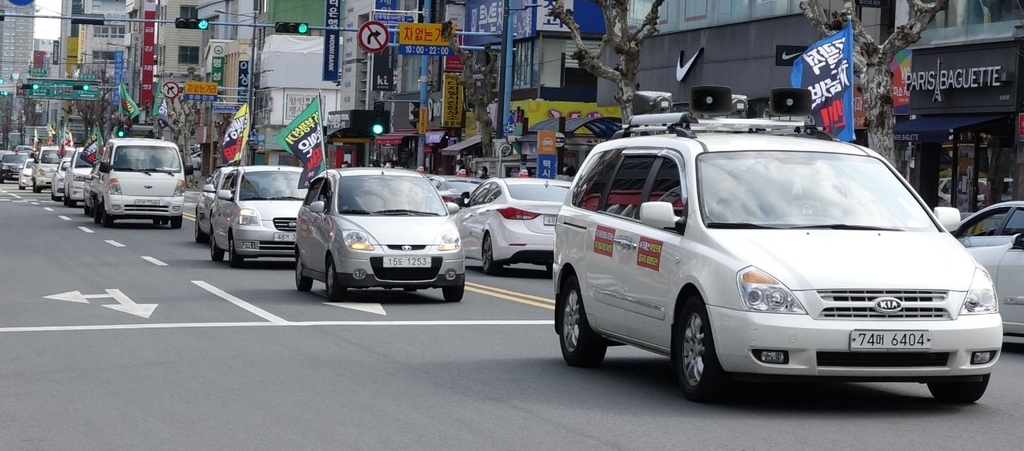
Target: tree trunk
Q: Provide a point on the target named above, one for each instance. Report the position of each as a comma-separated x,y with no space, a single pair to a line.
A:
878,106
627,88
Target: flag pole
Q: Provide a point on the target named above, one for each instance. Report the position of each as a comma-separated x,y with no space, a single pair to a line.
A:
320,126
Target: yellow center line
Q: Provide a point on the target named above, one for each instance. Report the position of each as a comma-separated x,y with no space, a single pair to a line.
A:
189,216
509,298
511,293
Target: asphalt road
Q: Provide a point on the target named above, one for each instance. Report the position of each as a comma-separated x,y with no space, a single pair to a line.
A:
183,353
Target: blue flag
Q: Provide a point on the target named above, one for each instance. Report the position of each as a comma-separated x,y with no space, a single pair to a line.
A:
826,69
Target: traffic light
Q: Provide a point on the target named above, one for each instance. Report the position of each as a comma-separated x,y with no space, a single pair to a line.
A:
191,24
380,122
119,132
32,86
82,87
291,27
4,93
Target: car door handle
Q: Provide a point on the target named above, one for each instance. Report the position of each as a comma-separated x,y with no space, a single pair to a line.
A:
625,244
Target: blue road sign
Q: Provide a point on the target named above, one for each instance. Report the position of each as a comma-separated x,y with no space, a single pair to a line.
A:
547,166
510,124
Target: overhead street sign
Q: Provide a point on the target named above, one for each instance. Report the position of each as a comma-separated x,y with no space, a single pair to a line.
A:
373,37
226,107
202,91
422,39
62,89
392,18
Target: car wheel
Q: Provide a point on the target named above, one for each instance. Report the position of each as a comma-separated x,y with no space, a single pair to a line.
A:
490,267
36,189
21,187
200,236
216,253
454,294
580,345
175,222
335,292
696,362
86,208
302,283
96,209
52,196
106,219
235,260
959,392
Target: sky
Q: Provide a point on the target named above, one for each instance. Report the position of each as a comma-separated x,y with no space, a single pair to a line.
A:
48,28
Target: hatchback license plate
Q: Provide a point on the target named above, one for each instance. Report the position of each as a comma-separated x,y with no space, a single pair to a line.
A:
550,220
284,236
406,262
147,202
866,340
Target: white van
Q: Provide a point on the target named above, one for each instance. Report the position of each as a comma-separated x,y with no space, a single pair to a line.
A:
140,179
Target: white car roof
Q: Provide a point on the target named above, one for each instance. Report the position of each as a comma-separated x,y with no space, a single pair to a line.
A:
266,168
737,142
140,141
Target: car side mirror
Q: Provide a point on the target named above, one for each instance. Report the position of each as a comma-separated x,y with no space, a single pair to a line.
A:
208,188
452,207
1018,241
224,194
660,215
317,207
104,167
948,217
189,170
465,195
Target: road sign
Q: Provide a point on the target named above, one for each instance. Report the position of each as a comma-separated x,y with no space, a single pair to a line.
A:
60,89
37,71
171,90
373,37
227,108
510,125
422,39
392,18
201,91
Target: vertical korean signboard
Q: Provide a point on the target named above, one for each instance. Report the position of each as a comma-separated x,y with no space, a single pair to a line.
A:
547,155
457,15
453,110
332,41
217,64
118,70
148,52
243,81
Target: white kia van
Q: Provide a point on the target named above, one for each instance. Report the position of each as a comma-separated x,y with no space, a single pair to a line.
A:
140,179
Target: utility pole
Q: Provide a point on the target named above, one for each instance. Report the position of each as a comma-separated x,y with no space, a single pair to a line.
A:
424,94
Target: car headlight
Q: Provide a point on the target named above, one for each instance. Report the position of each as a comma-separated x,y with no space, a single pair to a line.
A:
114,187
763,293
248,216
179,191
981,298
450,241
356,240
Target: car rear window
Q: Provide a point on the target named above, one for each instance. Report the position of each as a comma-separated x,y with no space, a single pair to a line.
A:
544,193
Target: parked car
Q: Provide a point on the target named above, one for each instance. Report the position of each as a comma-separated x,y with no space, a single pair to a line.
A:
508,221
451,187
25,178
204,204
11,165
1005,262
140,178
46,168
755,248
254,214
57,192
994,225
76,178
388,228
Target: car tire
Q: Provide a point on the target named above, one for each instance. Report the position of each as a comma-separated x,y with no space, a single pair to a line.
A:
335,292
696,361
302,283
53,197
199,235
21,187
86,208
235,260
216,253
490,267
106,219
175,222
96,209
455,293
581,347
959,392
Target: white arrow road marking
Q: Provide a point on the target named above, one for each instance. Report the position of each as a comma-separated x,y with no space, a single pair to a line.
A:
244,305
115,244
153,260
127,305
75,296
85,229
367,307
47,209
15,196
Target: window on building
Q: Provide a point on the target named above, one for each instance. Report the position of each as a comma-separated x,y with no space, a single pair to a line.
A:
524,67
189,12
188,55
574,75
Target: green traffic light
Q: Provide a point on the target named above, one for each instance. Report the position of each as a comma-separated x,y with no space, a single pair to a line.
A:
120,133
377,129
35,86
86,88
303,28
204,24
4,93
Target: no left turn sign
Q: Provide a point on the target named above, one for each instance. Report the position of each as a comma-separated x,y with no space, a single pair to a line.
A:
171,90
373,36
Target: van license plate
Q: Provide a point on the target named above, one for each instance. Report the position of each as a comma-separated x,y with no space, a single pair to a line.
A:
867,340
284,236
406,262
147,202
550,220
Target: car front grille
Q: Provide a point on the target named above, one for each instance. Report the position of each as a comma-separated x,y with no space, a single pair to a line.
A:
859,304
277,245
285,224
400,247
146,208
883,359
405,274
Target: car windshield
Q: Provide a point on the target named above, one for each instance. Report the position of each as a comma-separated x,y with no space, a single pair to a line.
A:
49,157
271,185
14,158
146,159
761,189
459,186
389,195
544,193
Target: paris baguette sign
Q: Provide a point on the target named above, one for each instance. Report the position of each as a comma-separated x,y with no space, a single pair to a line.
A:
941,79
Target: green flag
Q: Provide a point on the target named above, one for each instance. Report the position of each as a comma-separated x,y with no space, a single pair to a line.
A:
304,137
156,103
128,105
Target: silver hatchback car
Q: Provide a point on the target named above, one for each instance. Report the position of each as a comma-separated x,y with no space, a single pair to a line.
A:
388,228
254,214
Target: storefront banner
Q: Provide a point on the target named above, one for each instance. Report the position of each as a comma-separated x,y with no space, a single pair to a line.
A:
453,103
901,68
826,69
304,138
236,136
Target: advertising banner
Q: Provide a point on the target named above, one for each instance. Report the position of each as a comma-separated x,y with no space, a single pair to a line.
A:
236,135
304,138
332,41
453,109
148,52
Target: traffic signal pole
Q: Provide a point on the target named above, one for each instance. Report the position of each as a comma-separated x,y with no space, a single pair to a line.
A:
428,6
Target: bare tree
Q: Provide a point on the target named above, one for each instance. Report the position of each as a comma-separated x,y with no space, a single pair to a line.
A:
6,119
95,112
478,95
871,61
182,115
621,38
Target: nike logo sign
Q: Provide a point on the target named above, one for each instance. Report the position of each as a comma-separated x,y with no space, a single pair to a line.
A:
787,57
683,69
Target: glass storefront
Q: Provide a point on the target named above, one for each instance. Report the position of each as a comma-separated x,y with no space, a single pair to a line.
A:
970,20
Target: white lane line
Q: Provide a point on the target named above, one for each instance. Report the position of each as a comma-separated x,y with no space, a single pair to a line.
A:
35,203
545,322
64,217
14,195
85,229
244,305
153,260
47,209
115,244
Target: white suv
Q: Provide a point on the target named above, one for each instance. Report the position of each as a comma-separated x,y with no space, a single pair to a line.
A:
761,256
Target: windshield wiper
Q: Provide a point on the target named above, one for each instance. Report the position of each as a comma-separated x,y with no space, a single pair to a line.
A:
396,212
353,212
846,227
285,198
737,225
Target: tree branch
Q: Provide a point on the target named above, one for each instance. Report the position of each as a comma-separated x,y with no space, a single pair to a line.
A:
650,23
921,14
586,59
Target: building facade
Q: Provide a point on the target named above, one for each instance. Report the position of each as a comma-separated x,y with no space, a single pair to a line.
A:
16,43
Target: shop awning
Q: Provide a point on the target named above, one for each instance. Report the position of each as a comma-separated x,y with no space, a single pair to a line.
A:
434,137
936,129
394,139
457,148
